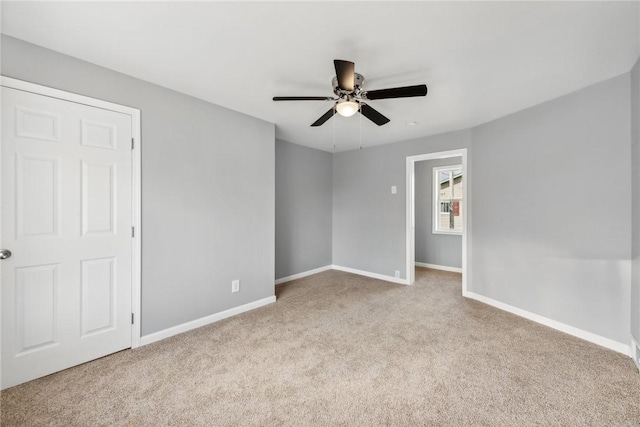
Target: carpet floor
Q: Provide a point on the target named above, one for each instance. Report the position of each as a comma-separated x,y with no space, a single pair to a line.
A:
341,349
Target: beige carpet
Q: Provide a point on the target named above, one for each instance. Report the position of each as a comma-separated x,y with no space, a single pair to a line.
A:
339,349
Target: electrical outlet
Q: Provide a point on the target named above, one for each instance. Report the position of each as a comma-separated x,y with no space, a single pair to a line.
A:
397,273
235,286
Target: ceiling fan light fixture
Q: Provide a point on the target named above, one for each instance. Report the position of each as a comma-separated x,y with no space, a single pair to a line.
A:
347,108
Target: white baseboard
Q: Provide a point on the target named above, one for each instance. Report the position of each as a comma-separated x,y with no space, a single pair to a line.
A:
635,353
303,274
175,330
439,267
588,336
372,275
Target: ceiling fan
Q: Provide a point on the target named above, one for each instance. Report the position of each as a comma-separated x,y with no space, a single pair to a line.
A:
347,86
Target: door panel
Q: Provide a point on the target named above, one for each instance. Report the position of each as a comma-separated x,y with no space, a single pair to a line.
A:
37,196
98,289
66,217
36,307
98,198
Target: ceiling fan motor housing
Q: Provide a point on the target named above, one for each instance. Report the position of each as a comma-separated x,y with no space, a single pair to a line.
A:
358,82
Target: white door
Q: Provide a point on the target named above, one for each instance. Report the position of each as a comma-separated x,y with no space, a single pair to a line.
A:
66,218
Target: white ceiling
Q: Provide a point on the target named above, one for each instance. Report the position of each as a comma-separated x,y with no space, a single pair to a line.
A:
480,60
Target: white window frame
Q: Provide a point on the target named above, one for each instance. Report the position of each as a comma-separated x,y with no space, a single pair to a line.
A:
436,198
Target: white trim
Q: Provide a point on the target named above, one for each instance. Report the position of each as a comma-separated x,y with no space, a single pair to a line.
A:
136,199
562,327
439,267
303,274
67,96
635,353
448,233
369,274
203,321
136,169
410,214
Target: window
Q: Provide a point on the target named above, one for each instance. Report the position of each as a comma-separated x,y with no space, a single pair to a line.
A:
447,199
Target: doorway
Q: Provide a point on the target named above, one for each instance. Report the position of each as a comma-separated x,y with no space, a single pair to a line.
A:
70,230
411,211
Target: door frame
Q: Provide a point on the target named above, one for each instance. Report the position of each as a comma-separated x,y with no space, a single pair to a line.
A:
136,179
411,206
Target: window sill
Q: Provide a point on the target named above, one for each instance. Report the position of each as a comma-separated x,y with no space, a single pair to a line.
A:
450,233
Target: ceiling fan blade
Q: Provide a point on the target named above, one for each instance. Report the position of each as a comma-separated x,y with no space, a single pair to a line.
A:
326,116
397,92
373,115
345,73
303,98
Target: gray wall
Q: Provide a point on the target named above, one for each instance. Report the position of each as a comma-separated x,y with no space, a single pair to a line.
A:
555,248
559,245
369,221
303,209
635,205
207,188
438,249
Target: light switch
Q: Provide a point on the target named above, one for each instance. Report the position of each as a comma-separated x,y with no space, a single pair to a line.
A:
394,189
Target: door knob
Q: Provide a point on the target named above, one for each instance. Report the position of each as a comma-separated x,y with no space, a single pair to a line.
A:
5,253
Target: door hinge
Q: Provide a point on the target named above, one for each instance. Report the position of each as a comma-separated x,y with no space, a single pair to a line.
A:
132,144
133,232
132,318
